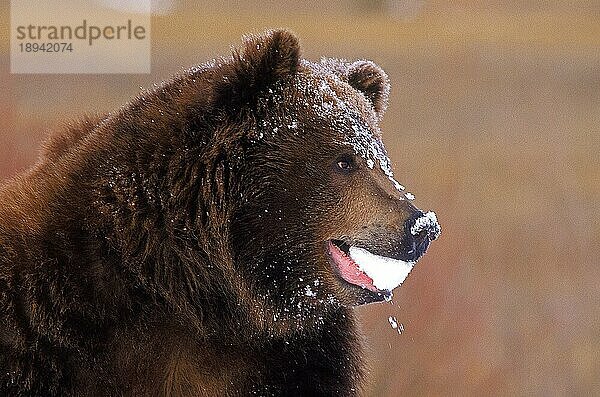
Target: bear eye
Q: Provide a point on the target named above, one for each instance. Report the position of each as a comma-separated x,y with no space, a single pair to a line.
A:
344,164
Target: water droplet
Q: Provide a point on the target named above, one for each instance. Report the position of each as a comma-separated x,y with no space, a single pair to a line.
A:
395,325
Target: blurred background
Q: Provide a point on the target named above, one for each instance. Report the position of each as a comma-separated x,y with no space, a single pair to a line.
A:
494,123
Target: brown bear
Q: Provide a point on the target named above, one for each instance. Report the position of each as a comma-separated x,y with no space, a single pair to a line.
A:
210,237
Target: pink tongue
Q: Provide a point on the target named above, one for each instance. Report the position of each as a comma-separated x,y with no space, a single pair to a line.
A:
349,269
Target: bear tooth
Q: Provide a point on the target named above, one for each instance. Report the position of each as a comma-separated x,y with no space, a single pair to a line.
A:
386,273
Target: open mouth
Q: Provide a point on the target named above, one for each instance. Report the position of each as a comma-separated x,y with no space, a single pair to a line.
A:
362,268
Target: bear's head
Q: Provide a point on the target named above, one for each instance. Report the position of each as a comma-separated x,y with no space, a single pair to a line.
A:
262,176
319,219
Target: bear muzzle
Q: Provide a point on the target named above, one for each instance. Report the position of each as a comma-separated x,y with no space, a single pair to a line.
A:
367,264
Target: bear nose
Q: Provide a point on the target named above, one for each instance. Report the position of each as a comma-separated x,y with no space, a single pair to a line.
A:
420,229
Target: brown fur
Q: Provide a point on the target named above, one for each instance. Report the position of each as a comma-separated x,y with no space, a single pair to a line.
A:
164,248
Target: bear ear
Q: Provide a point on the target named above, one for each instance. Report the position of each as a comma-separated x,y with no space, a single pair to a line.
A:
372,81
262,60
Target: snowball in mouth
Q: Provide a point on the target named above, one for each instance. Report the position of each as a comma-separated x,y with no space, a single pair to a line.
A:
386,273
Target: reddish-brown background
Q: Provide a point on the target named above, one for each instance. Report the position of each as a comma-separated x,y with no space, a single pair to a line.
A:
494,122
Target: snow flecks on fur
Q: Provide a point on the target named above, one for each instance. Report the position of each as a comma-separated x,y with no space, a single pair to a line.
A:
326,99
309,292
272,125
364,136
